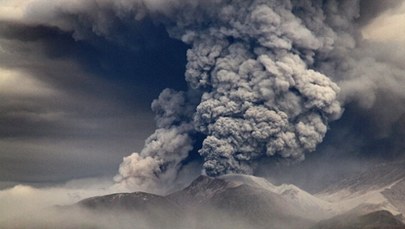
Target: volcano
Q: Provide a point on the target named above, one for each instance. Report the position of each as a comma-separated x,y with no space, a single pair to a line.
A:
243,201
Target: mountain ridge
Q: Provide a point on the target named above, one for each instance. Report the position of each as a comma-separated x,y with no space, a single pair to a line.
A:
257,202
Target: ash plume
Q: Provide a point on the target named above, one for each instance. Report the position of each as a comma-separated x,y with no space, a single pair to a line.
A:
261,95
160,159
265,78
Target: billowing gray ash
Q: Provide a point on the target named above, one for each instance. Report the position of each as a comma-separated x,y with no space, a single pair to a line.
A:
253,63
265,77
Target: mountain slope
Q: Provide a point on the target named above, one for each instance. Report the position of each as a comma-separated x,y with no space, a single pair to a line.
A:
253,199
378,176
128,201
232,201
380,188
242,201
374,220
291,193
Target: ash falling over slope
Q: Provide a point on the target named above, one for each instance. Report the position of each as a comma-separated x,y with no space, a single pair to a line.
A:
265,77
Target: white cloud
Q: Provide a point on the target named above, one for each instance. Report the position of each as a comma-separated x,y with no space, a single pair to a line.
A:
15,83
12,9
388,27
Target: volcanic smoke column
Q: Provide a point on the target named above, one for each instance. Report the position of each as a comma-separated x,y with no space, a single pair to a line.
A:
252,64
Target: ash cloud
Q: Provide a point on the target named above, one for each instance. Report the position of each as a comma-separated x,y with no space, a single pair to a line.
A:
274,74
264,78
259,96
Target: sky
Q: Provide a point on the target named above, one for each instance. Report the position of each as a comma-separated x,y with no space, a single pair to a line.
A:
73,108
75,100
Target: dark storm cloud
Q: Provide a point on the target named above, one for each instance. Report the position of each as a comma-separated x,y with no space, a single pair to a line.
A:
131,58
70,108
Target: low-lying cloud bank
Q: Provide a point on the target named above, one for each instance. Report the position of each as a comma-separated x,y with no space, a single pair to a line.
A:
24,206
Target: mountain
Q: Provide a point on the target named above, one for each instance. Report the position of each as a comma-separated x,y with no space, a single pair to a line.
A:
378,176
127,201
253,199
375,199
374,220
380,188
152,210
231,201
